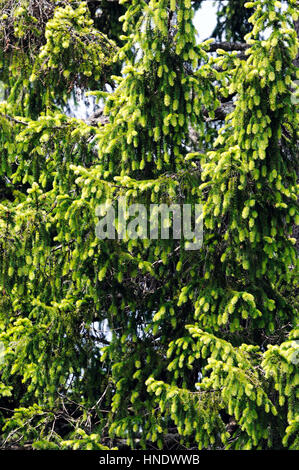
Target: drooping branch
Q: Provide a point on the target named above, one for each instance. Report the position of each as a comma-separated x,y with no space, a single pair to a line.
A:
219,115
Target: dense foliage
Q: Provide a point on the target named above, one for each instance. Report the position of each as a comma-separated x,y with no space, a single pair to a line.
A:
136,341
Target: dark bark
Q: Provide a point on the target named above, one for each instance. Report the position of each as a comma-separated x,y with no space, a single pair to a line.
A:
229,46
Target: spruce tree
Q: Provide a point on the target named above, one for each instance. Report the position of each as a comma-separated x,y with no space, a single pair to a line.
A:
144,341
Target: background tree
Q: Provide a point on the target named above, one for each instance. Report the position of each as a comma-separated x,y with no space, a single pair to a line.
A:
142,342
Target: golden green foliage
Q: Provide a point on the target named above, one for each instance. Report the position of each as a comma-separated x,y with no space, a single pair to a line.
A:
196,338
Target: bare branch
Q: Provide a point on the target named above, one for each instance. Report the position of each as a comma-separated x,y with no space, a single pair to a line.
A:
228,46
